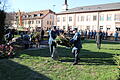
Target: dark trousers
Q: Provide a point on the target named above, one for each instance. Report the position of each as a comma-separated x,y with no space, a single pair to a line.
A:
76,55
53,50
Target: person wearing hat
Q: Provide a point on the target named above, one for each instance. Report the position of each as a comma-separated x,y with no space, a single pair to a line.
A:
52,41
76,40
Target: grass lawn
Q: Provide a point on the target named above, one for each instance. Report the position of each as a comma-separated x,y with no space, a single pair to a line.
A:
94,64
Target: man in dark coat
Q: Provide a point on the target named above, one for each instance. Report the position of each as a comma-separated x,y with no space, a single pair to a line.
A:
42,34
52,42
99,39
76,40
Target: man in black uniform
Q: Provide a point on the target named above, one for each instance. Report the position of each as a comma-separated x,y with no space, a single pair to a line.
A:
76,40
52,42
42,34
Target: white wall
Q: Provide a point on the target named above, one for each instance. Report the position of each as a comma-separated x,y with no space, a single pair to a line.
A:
93,24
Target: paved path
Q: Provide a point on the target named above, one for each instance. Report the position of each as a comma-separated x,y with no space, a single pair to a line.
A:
111,41
45,42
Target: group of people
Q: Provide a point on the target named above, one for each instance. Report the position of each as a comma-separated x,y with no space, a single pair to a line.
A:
104,35
29,39
92,34
76,40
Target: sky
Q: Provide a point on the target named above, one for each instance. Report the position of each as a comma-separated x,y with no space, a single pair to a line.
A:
35,5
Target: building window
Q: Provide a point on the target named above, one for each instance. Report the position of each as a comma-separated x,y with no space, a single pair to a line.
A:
24,16
70,18
64,28
39,22
29,16
118,28
117,17
16,17
32,22
35,15
63,19
24,22
82,18
50,22
47,22
109,17
29,22
94,18
102,17
41,14
88,18
108,29
88,27
58,19
78,19
50,16
101,27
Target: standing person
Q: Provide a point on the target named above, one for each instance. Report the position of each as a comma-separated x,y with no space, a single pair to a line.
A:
116,35
103,33
91,34
106,35
26,39
85,34
88,34
76,40
99,41
21,34
49,30
42,34
52,42
8,36
94,34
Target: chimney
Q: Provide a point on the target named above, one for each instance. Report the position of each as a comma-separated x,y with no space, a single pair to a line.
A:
66,2
65,6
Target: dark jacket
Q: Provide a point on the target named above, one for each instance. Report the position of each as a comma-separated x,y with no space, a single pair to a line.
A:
77,42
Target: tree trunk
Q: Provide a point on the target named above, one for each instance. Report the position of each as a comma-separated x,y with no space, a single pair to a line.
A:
2,25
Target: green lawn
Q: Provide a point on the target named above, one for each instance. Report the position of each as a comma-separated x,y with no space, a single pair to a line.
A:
94,64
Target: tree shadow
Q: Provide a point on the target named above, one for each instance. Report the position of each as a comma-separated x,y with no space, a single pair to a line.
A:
61,51
37,52
110,48
65,55
103,42
10,70
92,58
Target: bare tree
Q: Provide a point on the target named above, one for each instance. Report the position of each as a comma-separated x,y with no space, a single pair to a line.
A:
3,7
3,4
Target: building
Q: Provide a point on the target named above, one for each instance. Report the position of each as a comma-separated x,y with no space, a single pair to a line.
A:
105,17
33,20
9,19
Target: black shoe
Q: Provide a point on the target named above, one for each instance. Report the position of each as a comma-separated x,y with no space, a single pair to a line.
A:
78,59
75,63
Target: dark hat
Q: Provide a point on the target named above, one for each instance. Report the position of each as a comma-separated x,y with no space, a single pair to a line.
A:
75,29
54,27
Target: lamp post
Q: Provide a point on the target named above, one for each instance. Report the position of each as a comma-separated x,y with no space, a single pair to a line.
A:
53,15
98,35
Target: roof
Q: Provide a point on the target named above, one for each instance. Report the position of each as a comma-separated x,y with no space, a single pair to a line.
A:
42,12
101,7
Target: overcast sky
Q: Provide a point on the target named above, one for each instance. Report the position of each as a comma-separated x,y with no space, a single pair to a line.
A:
35,5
